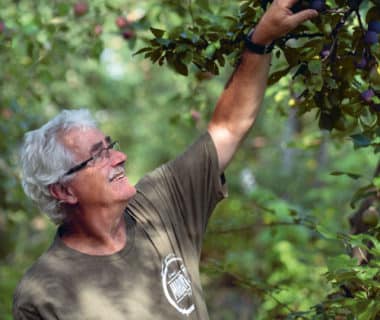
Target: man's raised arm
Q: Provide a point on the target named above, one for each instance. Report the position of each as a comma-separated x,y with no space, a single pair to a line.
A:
238,106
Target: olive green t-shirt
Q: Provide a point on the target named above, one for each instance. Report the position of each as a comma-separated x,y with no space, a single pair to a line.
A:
156,275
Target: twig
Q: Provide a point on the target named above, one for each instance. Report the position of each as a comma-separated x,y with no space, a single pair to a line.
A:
191,13
335,31
257,225
255,287
367,46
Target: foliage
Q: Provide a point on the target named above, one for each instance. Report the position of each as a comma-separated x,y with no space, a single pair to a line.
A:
332,62
280,247
356,286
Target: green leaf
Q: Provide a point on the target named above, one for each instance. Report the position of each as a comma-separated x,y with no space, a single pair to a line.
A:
220,59
361,240
158,33
163,42
204,4
180,67
276,76
341,262
367,273
370,311
155,55
376,182
142,50
187,58
375,141
325,232
315,66
349,174
362,193
360,140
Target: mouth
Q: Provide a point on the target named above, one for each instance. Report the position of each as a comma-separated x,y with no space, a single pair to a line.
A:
117,175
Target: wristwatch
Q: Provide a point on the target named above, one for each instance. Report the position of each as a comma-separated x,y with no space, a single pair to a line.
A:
255,47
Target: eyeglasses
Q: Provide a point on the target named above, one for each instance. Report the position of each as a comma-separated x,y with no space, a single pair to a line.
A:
97,157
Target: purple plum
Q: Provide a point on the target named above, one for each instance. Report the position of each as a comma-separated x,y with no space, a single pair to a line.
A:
374,26
367,95
371,37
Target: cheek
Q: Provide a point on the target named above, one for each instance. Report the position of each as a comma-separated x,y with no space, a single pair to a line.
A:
90,184
97,176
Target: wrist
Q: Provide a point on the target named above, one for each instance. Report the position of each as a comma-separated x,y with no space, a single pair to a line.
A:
259,37
257,43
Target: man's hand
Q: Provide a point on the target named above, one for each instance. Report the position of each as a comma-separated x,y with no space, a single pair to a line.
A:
279,20
240,102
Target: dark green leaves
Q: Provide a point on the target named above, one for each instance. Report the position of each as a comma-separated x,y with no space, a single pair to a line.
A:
348,174
158,33
360,140
325,55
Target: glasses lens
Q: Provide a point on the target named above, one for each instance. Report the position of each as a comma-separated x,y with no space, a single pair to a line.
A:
98,157
116,146
104,153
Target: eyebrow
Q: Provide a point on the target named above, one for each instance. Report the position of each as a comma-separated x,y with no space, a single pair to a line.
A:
97,146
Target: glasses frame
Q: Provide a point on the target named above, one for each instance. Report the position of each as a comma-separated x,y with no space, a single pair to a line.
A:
98,154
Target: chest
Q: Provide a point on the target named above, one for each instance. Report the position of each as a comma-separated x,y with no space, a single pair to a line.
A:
148,281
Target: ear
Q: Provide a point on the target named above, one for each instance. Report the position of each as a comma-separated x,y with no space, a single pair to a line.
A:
63,193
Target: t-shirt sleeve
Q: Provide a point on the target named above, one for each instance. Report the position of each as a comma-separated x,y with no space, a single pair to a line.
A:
192,184
199,181
25,314
22,309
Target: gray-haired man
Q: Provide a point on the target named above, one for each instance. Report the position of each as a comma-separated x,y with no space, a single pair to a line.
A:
125,252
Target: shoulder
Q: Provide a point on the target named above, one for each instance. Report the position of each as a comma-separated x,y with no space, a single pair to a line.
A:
32,278
36,280
28,289
200,153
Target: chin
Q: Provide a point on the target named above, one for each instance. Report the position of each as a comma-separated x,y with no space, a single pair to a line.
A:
129,193
123,191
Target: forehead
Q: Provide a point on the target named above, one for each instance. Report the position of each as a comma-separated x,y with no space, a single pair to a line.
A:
82,140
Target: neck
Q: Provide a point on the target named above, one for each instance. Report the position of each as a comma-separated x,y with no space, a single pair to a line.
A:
97,231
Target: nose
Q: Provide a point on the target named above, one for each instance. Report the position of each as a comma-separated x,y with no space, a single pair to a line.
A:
118,157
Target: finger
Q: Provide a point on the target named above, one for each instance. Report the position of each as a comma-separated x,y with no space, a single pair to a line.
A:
287,3
303,15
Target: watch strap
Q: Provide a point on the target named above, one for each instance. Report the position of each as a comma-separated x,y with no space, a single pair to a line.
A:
255,47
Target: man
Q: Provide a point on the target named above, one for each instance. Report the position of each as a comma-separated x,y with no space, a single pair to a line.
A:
133,253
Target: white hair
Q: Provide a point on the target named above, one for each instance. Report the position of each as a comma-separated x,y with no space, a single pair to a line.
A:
45,159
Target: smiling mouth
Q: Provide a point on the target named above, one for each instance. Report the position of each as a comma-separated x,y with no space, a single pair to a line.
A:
118,176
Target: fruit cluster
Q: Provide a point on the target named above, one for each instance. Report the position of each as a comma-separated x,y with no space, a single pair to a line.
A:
371,37
369,97
80,8
319,5
372,34
125,26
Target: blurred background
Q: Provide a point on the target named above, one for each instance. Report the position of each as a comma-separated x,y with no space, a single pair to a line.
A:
268,245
